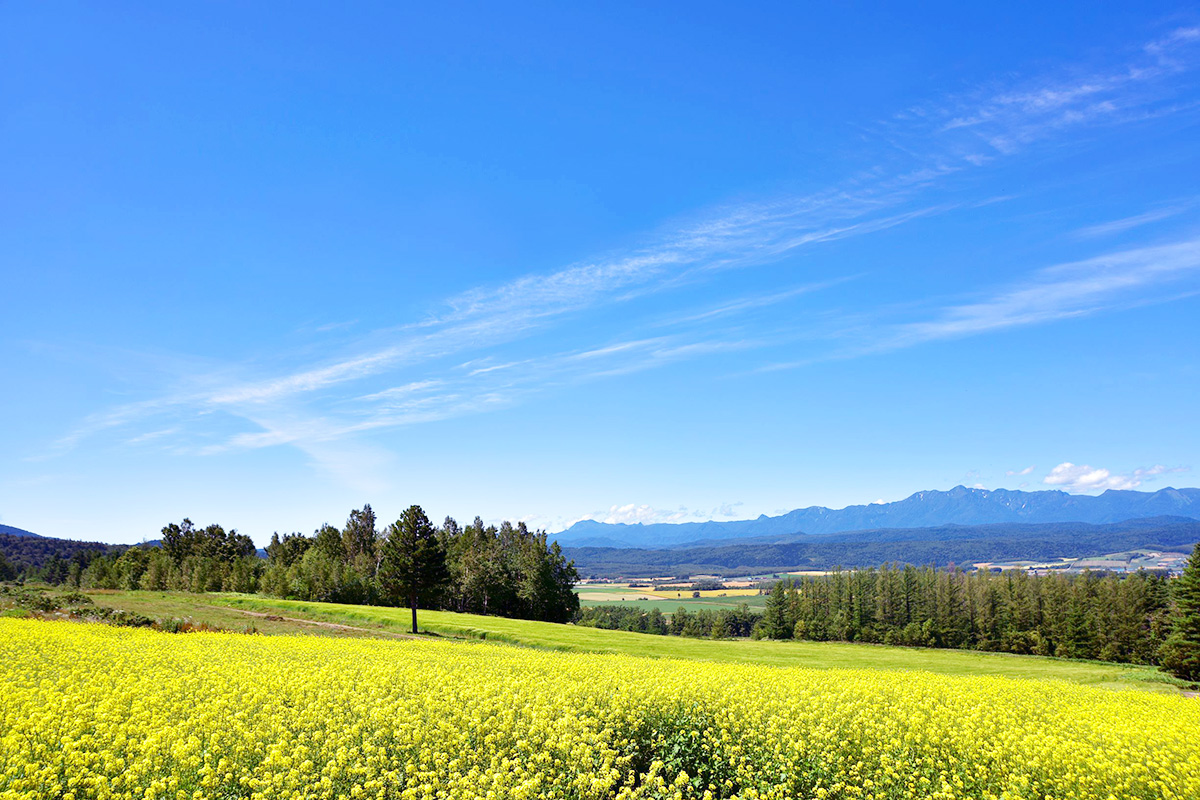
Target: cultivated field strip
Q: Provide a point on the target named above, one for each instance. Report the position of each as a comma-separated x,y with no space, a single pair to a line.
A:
94,711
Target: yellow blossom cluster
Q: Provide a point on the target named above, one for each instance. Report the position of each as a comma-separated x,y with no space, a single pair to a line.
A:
89,711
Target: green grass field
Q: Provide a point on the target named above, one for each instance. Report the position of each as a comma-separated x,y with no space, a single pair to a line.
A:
234,612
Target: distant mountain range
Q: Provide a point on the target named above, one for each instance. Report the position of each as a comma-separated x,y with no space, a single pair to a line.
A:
928,527
940,546
958,506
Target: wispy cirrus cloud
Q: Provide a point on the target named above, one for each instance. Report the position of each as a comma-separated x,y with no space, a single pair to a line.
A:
1059,292
334,326
152,435
998,121
746,304
1054,293
1116,226
752,233
1114,281
482,349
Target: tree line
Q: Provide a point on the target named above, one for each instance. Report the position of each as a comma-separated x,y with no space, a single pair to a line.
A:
39,557
505,571
510,571
1141,618
715,623
1092,615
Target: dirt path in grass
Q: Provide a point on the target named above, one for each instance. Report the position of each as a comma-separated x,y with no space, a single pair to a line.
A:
320,624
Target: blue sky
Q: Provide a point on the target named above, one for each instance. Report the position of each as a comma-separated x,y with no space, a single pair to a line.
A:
264,264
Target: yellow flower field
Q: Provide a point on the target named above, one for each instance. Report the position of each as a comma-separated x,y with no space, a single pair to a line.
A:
94,711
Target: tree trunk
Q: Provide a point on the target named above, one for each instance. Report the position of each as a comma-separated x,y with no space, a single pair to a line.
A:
412,603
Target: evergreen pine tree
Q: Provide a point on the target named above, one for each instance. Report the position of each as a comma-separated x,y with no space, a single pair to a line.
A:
775,618
413,561
1080,640
1180,653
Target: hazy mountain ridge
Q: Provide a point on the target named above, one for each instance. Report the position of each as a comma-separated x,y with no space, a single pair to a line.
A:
940,546
11,531
926,509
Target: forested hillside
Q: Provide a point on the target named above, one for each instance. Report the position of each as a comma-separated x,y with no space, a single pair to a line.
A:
506,570
53,557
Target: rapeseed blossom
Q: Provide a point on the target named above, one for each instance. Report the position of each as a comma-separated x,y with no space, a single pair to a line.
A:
89,711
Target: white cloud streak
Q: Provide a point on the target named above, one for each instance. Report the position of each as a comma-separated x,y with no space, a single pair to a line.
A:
1066,290
152,435
1010,118
1114,281
1127,223
1081,478
310,406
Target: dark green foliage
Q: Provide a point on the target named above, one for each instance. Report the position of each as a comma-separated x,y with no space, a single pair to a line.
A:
721,623
546,590
333,566
328,540
779,619
1181,652
201,560
184,541
190,559
360,540
412,562
49,560
1080,638
682,739
623,618
158,573
288,550
1085,616
508,571
316,569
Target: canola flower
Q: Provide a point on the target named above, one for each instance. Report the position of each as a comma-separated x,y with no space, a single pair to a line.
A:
89,711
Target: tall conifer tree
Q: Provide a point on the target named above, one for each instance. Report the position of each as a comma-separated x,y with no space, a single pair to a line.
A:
1181,650
413,561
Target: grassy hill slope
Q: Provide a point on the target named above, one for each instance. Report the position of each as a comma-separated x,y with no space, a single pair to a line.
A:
362,620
